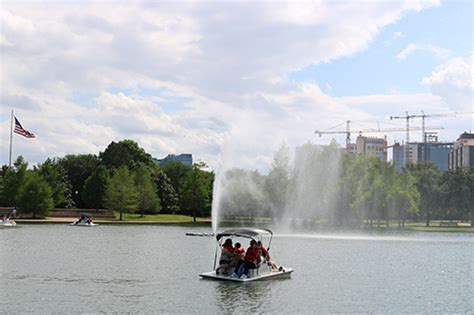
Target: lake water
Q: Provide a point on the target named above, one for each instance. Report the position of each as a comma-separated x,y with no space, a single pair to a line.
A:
58,268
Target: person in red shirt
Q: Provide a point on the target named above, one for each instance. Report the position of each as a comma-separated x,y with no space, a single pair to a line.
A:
251,260
266,255
238,257
263,251
227,253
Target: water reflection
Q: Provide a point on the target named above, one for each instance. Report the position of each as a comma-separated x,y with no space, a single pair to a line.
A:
243,297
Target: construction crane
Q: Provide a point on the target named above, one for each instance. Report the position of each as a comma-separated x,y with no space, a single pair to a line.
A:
348,131
423,116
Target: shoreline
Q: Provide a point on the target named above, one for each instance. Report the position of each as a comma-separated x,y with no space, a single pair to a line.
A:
208,223
111,222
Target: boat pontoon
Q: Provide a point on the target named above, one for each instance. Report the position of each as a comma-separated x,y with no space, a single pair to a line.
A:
7,223
84,220
83,223
265,270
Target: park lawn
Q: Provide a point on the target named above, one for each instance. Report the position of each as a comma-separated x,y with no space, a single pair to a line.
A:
420,226
157,217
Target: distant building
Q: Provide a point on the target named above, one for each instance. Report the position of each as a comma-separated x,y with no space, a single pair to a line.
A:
185,158
372,146
398,157
435,152
351,148
462,153
438,154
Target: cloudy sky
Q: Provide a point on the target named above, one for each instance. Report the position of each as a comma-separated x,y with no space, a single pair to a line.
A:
228,81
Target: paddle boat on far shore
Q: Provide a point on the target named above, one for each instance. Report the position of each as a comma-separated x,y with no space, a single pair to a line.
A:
84,221
7,223
265,269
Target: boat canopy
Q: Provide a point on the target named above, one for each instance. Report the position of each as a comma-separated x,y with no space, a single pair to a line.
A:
248,233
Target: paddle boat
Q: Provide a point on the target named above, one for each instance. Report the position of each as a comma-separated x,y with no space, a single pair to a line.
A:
265,269
84,221
7,223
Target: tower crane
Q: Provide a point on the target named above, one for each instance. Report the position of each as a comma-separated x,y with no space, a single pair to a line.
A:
423,116
348,131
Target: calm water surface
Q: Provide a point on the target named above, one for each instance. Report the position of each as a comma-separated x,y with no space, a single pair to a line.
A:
58,268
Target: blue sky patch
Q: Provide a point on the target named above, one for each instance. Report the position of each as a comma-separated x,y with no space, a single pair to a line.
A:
377,70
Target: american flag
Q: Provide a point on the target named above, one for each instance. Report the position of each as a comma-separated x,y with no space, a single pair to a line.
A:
19,130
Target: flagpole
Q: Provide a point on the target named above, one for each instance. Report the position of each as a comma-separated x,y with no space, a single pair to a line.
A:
11,141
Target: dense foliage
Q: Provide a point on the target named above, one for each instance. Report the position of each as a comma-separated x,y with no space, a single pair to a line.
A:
35,195
326,186
321,185
123,178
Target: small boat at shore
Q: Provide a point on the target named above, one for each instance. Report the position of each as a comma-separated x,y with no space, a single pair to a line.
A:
265,269
7,223
84,221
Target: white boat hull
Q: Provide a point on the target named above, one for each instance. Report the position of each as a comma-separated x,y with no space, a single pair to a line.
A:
7,224
285,273
84,224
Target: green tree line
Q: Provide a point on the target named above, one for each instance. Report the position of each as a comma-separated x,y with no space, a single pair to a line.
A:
325,185
322,185
123,178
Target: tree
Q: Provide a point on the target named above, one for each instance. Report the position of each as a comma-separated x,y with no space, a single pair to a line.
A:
377,191
55,176
311,198
278,180
370,195
95,188
404,197
195,196
125,152
208,182
354,184
178,173
121,193
35,195
243,194
427,180
148,201
456,193
166,193
471,194
13,179
78,168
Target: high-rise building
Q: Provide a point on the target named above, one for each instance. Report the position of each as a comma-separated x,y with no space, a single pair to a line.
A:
372,146
462,153
438,154
398,157
435,152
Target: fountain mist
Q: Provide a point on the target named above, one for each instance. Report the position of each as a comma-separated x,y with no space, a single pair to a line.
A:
292,196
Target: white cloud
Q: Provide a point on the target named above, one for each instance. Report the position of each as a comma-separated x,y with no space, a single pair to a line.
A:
397,35
457,72
454,82
229,60
412,48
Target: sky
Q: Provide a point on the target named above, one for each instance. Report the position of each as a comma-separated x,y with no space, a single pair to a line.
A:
229,82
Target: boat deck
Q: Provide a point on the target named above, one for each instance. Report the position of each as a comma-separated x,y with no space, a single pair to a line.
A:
285,273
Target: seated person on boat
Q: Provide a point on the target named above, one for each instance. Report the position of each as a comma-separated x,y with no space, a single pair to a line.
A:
84,220
251,261
227,253
255,264
266,255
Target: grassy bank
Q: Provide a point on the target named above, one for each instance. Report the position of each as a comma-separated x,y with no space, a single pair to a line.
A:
178,218
127,218
323,225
